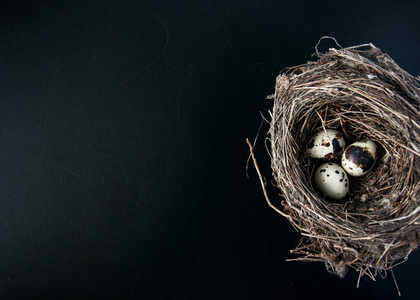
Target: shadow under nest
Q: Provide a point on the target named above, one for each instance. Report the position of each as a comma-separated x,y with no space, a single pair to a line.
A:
363,93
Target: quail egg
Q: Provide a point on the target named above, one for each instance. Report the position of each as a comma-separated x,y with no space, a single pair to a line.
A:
332,181
359,158
326,145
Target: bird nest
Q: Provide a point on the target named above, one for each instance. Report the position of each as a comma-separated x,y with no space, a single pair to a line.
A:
363,93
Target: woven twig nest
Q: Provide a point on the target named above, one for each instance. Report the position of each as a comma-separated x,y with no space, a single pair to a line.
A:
363,93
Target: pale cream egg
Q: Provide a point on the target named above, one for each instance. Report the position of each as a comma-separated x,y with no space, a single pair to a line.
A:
332,181
359,158
326,145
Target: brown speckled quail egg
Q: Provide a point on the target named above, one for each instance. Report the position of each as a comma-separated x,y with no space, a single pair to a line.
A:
326,145
359,158
332,180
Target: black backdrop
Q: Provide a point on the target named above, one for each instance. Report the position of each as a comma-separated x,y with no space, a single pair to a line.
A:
123,154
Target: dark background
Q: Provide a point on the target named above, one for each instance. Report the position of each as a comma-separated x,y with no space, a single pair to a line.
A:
123,153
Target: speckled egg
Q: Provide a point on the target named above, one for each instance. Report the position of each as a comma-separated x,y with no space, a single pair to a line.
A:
359,158
326,145
332,181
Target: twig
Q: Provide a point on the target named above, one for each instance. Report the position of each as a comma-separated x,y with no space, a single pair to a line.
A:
262,181
395,282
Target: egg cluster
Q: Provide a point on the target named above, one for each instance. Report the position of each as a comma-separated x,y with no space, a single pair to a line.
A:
356,160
